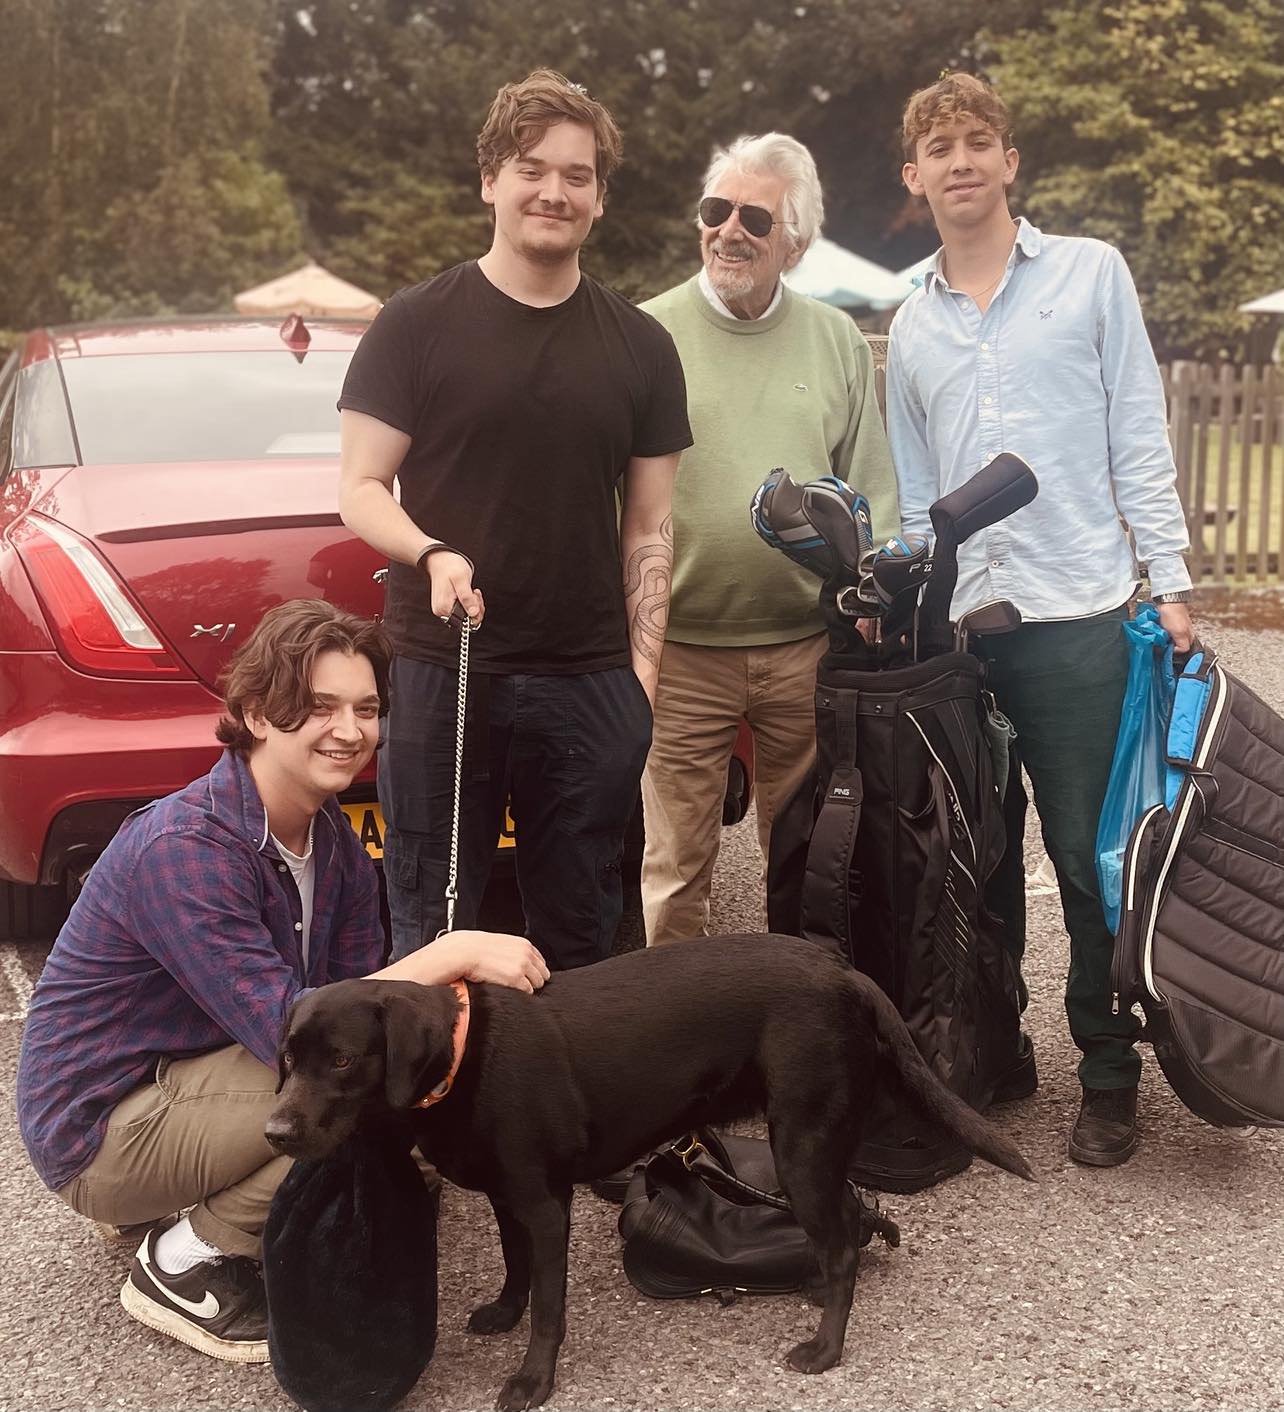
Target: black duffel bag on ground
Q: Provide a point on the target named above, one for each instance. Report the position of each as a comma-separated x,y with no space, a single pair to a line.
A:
706,1216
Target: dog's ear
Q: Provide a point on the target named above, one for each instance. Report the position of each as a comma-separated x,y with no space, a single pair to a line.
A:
282,1045
418,1030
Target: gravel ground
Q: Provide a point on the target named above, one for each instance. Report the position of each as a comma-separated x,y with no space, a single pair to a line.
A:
1158,1285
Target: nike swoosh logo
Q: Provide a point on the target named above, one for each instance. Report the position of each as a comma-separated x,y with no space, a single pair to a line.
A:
206,1309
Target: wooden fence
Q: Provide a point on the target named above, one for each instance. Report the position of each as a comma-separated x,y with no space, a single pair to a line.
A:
1226,426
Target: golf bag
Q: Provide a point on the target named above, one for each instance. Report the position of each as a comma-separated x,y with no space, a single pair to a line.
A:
1202,929
884,856
886,852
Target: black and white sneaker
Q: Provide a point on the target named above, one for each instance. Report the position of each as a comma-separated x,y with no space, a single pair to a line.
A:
217,1306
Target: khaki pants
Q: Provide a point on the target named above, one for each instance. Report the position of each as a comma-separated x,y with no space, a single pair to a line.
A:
703,693
193,1136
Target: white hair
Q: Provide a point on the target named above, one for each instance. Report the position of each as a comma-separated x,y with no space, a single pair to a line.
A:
775,154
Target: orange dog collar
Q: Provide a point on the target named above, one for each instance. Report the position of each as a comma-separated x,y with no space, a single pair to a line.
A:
460,1039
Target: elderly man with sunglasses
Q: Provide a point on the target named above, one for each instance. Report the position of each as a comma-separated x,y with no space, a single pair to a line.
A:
773,379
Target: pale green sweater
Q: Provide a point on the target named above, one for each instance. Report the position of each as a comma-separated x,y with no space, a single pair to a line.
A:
795,389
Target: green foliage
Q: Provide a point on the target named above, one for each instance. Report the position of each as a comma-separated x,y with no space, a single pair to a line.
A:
134,183
679,75
165,153
1158,125
396,228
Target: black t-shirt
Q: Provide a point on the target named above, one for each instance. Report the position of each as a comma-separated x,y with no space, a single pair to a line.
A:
522,421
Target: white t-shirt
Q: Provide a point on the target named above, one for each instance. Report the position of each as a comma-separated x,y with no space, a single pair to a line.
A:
305,872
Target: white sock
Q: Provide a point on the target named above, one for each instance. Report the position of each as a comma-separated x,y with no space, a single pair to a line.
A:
179,1248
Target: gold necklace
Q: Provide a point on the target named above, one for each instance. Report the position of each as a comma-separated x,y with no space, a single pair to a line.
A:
981,293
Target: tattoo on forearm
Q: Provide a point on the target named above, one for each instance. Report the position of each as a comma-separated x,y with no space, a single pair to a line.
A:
648,575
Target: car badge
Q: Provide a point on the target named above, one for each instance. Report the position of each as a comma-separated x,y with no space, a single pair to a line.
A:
222,631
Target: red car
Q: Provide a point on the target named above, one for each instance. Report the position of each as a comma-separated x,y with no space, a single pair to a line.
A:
161,486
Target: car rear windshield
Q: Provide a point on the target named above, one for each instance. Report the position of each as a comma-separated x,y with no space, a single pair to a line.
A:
205,406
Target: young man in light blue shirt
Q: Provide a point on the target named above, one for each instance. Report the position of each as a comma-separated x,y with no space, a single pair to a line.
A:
1031,343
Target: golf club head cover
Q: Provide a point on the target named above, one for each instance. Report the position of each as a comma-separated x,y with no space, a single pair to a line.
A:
823,525
842,517
776,513
992,494
902,563
995,492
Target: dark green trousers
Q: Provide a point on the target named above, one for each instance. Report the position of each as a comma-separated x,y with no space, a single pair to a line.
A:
1061,685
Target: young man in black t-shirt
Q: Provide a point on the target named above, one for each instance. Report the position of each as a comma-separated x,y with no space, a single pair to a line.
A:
510,396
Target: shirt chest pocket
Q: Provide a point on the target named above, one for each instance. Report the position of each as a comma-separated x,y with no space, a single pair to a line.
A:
1057,355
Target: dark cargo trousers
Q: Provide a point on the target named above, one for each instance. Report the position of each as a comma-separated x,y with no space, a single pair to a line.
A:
1062,686
567,751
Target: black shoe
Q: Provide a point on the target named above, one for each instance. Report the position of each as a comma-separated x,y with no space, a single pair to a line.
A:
1021,1077
908,1166
217,1306
1105,1132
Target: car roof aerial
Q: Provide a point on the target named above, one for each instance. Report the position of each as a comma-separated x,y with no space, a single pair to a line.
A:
211,333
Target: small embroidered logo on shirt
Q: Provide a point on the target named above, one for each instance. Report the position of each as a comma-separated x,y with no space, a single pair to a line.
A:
800,387
1045,313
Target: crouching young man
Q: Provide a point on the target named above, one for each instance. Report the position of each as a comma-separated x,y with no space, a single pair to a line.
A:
147,1068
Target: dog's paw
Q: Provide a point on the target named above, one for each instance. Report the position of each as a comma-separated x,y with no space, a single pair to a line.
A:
494,1318
812,1357
523,1390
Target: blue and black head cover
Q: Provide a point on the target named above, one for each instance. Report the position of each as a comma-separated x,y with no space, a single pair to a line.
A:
824,525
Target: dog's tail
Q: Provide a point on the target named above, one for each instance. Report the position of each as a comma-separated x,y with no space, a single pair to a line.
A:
930,1094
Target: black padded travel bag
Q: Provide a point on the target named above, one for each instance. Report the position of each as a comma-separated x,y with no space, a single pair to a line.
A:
1200,944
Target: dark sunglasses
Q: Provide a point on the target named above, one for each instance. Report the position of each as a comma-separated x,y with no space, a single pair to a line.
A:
716,211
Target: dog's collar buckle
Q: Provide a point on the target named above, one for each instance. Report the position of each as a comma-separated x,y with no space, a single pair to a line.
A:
459,1040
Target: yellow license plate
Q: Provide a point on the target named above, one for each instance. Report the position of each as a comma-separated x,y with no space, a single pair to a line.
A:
367,821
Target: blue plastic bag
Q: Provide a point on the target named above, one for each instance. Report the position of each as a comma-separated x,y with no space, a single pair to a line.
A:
1138,773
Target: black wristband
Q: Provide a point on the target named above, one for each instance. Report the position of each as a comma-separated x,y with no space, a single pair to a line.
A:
437,547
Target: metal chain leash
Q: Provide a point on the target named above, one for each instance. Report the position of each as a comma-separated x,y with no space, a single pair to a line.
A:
461,712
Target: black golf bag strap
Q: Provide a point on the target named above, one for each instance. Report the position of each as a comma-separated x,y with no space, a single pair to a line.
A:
845,725
826,902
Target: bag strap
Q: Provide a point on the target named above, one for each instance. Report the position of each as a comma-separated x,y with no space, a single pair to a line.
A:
826,905
706,1163
700,1162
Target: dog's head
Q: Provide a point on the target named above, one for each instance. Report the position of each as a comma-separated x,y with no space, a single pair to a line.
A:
353,1047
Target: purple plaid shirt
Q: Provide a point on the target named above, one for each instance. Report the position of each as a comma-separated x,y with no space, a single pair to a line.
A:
186,938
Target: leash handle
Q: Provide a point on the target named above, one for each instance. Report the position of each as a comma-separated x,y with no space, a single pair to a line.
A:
461,714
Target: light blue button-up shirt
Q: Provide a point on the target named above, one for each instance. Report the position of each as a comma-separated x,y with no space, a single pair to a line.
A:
1058,370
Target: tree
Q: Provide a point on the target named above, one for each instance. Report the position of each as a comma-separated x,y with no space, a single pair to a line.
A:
363,90
1158,125
133,175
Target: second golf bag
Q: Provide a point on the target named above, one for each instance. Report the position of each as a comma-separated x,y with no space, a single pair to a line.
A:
886,853
1199,941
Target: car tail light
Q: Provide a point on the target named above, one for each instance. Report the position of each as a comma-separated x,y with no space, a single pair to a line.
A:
95,623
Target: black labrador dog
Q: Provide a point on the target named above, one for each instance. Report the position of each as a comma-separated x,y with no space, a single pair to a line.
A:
603,1064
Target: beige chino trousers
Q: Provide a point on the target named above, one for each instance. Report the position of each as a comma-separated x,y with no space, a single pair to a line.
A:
195,1135
703,693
